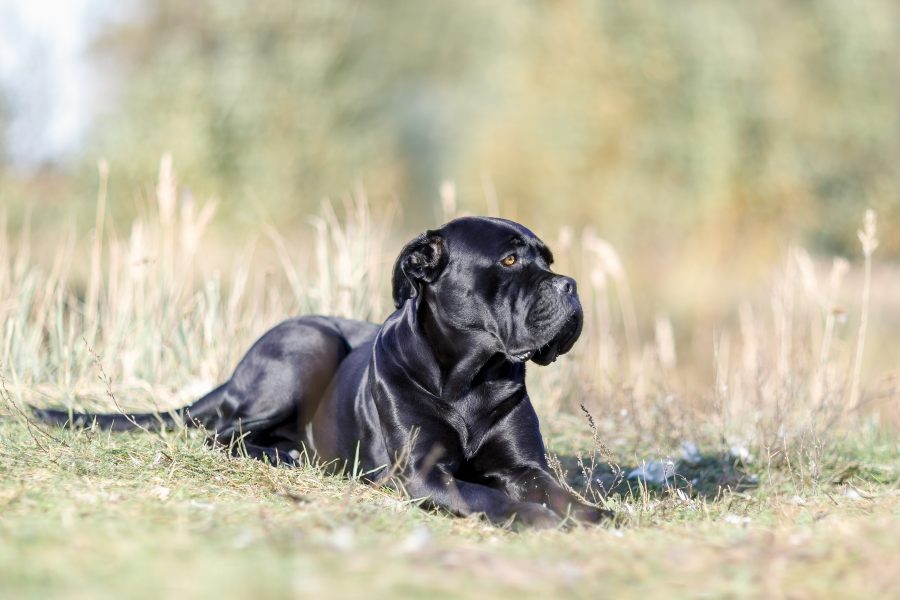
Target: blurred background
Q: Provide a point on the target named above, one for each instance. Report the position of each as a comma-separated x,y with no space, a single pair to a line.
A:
702,140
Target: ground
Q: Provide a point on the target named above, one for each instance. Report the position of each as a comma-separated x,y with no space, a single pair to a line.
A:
92,514
767,439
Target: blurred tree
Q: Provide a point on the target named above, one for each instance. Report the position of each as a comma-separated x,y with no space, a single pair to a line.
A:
281,103
661,122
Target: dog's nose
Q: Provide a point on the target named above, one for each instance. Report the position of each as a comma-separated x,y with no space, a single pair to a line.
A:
564,285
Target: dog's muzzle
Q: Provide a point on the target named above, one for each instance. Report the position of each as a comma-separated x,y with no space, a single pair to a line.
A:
563,341
559,312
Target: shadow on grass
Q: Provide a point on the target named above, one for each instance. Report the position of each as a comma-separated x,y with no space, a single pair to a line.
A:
706,476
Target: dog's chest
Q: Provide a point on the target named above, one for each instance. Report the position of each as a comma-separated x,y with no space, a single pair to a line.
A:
481,409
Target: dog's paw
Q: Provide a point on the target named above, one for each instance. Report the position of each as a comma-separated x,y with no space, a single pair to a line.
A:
592,515
535,516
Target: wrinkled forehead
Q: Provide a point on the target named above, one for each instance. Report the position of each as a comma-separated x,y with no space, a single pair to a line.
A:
491,237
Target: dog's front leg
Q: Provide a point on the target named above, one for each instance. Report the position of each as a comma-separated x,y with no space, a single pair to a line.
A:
533,484
466,498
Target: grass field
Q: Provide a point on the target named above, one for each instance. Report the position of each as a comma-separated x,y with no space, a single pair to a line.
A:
95,515
777,476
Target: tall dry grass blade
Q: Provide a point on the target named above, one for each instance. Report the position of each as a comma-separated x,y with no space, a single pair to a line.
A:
722,392
839,270
868,238
5,259
91,302
612,265
448,200
22,259
287,264
818,391
166,200
749,339
665,342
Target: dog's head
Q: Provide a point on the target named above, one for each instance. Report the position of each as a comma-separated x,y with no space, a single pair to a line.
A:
489,280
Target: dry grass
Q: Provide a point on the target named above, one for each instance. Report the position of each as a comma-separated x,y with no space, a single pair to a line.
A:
94,515
789,428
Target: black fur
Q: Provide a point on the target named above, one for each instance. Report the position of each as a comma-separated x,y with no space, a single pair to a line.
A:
436,394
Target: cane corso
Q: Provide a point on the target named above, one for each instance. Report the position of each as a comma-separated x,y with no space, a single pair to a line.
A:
434,396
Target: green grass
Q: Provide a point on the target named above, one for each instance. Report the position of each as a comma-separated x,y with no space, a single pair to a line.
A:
151,320
95,515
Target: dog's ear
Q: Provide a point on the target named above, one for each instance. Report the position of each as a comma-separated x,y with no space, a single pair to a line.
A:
421,261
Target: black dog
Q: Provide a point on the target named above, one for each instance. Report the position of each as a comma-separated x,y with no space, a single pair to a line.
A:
436,394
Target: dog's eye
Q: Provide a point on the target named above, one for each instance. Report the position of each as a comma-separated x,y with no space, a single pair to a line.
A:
509,260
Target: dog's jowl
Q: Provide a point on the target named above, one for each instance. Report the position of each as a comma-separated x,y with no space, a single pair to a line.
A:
435,395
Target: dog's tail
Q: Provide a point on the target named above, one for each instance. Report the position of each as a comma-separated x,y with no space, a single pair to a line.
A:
204,412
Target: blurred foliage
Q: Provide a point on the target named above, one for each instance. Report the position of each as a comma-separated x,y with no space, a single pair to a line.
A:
282,103
659,123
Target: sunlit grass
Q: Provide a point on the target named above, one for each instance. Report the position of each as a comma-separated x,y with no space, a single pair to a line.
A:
779,470
99,515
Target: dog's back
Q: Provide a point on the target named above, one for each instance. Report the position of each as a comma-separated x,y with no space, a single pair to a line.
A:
270,398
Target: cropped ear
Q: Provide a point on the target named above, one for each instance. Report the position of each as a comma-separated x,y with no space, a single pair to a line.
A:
421,261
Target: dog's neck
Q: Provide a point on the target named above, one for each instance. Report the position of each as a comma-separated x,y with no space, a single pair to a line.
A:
462,355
